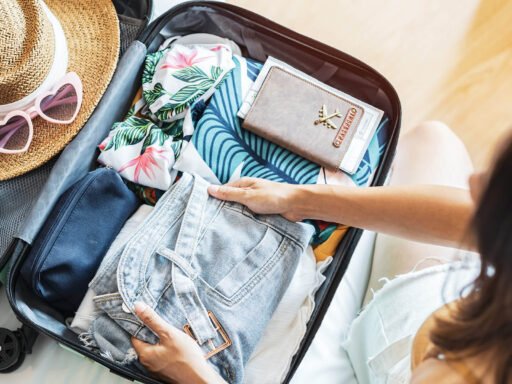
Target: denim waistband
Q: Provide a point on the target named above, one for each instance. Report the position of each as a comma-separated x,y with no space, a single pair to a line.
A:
179,194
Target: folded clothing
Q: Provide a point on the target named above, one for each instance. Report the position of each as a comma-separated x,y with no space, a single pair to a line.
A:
269,362
143,152
76,236
178,76
87,311
178,264
126,149
144,147
271,359
221,151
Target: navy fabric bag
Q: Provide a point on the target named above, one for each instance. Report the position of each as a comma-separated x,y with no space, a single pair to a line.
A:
76,236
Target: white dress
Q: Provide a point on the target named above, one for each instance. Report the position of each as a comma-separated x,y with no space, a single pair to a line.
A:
380,339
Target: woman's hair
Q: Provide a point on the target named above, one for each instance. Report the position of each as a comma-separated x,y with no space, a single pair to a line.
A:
482,321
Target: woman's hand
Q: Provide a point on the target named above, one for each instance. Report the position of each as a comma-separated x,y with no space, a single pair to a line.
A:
177,357
260,196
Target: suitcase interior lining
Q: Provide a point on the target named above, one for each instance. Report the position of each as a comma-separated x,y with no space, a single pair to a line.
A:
362,83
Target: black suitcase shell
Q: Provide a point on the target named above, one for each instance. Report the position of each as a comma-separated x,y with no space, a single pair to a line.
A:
258,37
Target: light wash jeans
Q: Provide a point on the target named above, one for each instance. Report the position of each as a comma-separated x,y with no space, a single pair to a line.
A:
209,267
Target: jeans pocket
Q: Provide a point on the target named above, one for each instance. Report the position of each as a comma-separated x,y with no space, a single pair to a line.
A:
235,251
251,269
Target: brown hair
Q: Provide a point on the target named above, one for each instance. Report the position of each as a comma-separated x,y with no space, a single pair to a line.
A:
482,321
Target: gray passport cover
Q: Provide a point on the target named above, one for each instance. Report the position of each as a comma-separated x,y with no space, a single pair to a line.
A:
291,111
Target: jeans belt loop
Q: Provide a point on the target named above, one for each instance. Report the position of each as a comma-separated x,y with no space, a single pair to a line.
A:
179,261
202,325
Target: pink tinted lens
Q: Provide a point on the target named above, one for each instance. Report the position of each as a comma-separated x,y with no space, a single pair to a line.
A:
62,105
14,134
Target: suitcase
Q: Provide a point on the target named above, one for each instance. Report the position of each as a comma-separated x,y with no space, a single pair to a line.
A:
258,37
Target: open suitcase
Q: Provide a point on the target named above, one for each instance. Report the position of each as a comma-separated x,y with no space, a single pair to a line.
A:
259,38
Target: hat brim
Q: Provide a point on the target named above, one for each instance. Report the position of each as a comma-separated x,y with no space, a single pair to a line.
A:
92,34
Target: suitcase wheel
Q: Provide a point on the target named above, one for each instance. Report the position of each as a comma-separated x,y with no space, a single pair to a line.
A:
11,354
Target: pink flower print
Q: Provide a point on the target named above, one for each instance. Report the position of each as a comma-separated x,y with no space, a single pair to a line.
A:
178,60
218,48
102,145
145,163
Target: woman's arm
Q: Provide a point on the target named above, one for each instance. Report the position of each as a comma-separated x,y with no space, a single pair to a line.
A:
427,213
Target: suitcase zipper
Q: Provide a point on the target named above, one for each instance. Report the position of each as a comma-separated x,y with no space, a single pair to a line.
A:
74,196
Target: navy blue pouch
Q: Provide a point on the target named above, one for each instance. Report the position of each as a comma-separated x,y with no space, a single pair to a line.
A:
79,230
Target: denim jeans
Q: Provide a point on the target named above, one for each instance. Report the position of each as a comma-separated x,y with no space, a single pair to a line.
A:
209,267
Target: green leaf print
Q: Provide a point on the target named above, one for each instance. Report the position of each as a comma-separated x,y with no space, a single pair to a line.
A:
150,66
190,92
176,147
215,72
174,128
131,112
155,135
198,81
151,95
182,99
169,131
191,74
169,110
158,135
129,132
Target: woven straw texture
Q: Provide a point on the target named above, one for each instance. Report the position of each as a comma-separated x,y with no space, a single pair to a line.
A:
26,49
92,33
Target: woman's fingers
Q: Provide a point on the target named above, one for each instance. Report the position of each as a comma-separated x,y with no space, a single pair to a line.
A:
140,346
244,182
148,354
176,357
152,320
228,193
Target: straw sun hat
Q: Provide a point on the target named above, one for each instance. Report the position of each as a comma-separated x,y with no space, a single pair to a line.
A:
39,43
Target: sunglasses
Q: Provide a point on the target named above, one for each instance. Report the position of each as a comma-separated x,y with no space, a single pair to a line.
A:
60,105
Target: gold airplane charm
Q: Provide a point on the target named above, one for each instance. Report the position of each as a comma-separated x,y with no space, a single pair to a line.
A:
325,119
